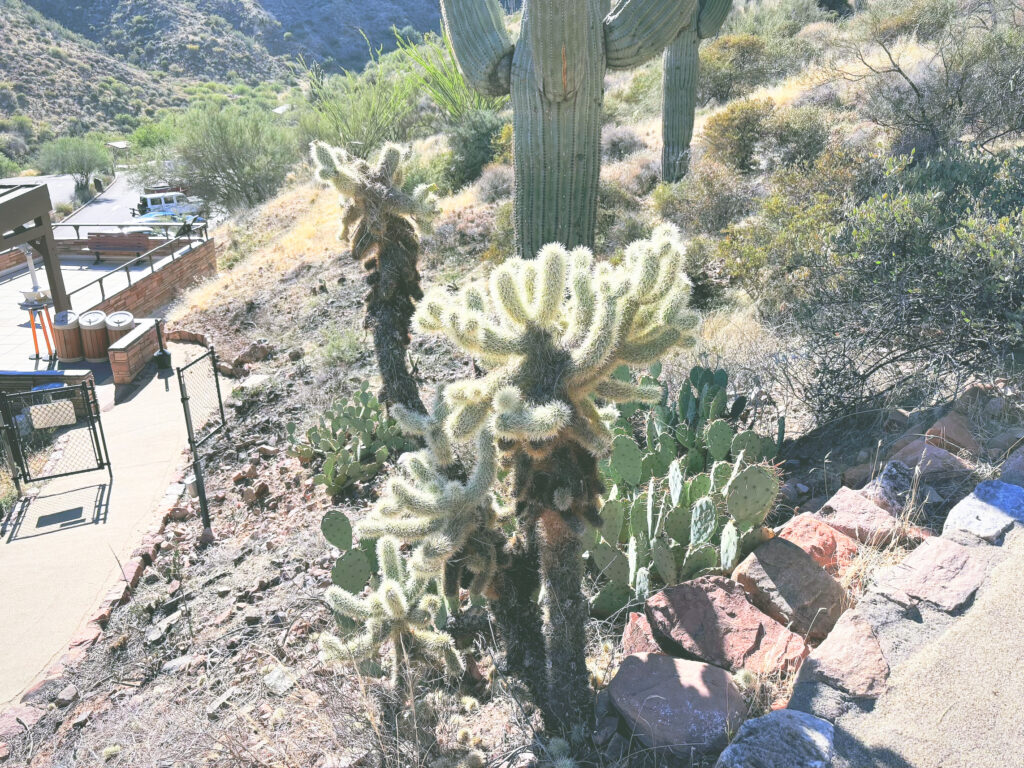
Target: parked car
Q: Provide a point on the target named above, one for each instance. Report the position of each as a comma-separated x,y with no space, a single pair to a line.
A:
175,203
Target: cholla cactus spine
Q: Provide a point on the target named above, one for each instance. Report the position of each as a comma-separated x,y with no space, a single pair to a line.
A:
555,74
378,217
682,64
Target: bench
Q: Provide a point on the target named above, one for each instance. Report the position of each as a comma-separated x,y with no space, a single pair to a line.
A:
117,244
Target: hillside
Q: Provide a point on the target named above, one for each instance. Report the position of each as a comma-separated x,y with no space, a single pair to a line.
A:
66,81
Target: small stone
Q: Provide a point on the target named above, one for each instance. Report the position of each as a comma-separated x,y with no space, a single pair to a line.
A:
226,369
253,617
132,571
891,489
173,587
989,512
214,707
677,705
68,695
180,664
712,619
240,476
5,751
280,680
939,572
294,354
262,489
850,513
782,739
855,477
1013,468
267,450
1005,442
953,432
850,660
254,353
637,636
786,583
831,549
9,717
896,420
933,460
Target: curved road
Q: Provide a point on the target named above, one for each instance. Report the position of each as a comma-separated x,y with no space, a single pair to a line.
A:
112,207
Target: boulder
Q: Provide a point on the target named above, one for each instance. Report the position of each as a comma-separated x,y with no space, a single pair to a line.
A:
677,705
637,636
1013,468
953,432
786,583
933,460
939,572
782,739
989,512
711,619
1005,442
849,660
855,477
831,549
892,488
851,513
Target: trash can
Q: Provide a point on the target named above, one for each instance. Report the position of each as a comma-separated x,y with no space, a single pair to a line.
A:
67,336
93,325
119,324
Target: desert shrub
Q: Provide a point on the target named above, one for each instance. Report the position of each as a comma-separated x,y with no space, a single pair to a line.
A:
501,243
79,157
707,200
795,136
8,167
964,85
619,142
639,98
503,143
774,18
472,144
732,65
732,135
496,183
705,273
638,174
429,168
233,157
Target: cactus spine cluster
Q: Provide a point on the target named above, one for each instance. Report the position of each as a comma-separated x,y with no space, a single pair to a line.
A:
400,610
555,74
550,333
378,218
682,63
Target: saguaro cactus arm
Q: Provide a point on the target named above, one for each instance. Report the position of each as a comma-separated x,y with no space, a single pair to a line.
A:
481,43
711,17
638,30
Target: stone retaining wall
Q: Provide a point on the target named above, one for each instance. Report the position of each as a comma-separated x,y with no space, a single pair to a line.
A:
129,354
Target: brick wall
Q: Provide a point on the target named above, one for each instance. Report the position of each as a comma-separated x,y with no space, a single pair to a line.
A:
154,291
15,258
129,354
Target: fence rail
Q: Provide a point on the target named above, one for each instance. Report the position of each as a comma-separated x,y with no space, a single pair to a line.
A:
149,257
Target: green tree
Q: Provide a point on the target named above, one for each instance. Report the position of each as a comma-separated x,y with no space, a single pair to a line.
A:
233,157
78,157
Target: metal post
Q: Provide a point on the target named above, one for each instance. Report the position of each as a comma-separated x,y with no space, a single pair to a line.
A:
94,406
13,454
197,466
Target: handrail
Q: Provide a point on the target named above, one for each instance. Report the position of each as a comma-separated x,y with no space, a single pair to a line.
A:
148,255
163,226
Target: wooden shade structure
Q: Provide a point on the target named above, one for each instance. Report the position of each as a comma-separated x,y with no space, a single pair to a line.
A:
25,220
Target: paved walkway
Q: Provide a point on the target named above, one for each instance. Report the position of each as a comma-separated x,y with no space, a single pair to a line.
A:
956,703
61,557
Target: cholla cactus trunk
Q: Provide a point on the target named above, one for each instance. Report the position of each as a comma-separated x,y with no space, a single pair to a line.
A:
557,93
394,286
555,74
682,68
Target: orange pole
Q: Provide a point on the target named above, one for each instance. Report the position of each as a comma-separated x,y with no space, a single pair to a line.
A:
46,337
49,322
32,325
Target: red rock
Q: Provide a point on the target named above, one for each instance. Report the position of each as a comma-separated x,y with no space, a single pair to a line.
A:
852,514
849,659
87,637
1013,468
9,717
1005,442
855,477
677,705
786,583
939,572
712,619
637,636
953,432
118,594
830,548
933,460
132,571
5,751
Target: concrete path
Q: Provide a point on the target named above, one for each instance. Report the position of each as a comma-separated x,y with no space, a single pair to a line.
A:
61,557
956,703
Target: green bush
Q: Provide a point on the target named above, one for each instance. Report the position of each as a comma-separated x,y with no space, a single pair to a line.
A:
774,18
8,167
707,200
732,135
795,136
75,156
472,144
501,244
732,65
432,169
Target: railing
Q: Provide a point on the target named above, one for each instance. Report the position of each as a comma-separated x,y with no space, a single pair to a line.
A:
147,257
198,229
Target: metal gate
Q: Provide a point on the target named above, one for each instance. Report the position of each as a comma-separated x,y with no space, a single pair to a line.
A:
201,400
54,432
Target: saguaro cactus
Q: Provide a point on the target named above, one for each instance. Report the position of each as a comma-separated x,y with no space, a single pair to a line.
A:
555,74
682,64
379,218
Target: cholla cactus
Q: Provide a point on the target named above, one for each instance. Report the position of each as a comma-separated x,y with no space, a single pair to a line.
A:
550,333
378,217
453,525
400,611
555,74
682,64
